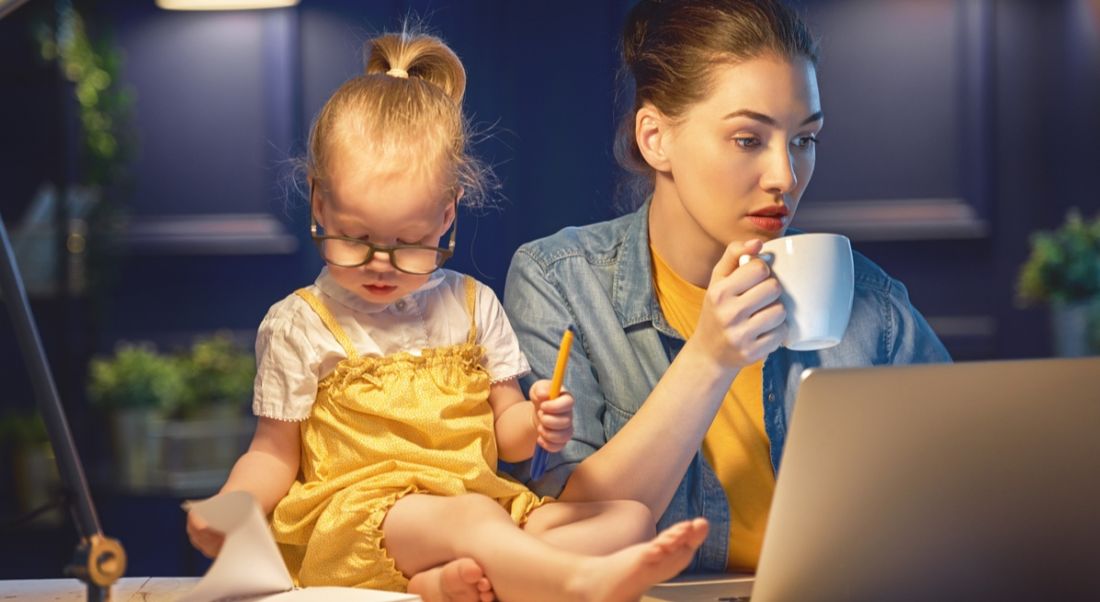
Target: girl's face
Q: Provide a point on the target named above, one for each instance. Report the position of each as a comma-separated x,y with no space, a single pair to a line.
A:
386,206
739,160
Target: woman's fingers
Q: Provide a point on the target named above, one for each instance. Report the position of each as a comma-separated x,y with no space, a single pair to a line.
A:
727,263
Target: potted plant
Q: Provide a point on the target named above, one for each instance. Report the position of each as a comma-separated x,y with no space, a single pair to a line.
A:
209,428
136,388
34,471
218,375
1063,271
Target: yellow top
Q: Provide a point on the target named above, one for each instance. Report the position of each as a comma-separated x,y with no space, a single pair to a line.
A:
382,428
736,445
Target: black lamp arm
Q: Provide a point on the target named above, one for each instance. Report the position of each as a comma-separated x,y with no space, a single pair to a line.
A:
99,561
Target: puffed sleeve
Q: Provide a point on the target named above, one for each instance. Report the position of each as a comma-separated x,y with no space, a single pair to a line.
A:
503,358
540,314
286,365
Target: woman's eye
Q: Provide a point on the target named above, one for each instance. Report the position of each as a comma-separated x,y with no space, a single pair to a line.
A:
746,141
805,141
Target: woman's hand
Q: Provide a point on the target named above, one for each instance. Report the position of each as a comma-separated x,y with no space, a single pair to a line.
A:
552,418
203,537
742,320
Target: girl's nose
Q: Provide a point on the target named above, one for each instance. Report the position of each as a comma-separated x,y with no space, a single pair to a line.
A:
379,262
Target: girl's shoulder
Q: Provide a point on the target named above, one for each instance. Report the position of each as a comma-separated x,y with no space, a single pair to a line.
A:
290,310
453,283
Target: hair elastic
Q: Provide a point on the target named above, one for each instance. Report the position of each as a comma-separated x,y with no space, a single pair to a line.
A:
398,72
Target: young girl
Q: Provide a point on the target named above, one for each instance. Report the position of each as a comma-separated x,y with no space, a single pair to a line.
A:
387,390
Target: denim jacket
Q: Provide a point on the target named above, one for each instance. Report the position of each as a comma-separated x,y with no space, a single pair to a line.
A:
599,279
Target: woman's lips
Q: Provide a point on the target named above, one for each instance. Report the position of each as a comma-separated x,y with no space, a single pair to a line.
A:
767,223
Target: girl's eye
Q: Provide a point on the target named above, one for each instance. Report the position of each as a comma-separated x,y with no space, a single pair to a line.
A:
746,142
805,141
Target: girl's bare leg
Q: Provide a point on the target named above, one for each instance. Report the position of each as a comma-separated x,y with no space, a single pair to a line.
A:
571,525
460,580
423,532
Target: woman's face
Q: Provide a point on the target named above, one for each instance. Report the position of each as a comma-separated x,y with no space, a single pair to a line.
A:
739,160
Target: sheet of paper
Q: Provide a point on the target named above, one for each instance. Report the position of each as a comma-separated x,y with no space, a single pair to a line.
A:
249,566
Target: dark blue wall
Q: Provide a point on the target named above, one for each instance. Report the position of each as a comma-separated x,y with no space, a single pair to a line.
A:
993,107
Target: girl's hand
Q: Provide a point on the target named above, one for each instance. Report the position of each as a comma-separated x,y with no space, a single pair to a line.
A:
552,418
203,537
742,320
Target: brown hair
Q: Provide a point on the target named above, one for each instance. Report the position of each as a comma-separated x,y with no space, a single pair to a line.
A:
670,49
406,106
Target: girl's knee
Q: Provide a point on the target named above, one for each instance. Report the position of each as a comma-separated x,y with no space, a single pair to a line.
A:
636,517
473,506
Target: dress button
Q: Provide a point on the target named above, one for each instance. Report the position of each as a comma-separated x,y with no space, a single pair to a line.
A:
401,305
771,396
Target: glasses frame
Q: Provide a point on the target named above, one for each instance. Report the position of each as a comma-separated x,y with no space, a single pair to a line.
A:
372,248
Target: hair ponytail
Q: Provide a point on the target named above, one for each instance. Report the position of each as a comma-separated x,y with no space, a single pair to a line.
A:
406,108
421,57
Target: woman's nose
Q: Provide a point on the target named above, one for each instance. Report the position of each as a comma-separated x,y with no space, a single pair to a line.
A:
779,176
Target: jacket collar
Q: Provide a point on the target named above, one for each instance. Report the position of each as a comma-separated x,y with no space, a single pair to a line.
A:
633,295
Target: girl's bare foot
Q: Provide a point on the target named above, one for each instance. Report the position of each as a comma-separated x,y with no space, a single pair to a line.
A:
460,580
625,576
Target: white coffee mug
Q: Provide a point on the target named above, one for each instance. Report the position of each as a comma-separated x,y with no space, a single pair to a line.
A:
817,276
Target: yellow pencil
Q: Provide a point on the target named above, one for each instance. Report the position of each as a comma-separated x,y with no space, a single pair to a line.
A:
563,361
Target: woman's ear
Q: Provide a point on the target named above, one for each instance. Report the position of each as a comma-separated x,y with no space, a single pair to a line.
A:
651,131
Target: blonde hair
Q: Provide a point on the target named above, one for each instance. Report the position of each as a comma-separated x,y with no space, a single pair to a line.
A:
407,106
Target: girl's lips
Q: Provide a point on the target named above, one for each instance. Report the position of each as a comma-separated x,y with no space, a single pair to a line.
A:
379,288
767,223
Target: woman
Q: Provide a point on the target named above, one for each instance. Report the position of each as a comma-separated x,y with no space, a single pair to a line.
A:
683,393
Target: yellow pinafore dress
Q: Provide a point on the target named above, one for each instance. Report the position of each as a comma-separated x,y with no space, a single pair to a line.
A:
382,428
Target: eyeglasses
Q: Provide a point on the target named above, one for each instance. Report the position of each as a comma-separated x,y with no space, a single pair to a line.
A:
347,252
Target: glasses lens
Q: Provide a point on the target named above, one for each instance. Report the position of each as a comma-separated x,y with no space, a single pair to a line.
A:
343,252
417,261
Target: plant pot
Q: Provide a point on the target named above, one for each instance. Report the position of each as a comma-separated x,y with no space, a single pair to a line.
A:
136,439
197,453
36,481
1070,328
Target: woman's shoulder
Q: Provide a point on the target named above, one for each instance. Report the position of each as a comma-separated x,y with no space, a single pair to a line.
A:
870,278
595,242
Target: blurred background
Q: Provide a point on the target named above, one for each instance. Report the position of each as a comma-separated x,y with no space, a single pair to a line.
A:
144,162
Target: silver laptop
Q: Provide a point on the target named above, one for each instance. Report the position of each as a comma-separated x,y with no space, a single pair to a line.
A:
967,481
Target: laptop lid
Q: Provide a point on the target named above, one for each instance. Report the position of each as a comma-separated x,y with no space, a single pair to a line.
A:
939,482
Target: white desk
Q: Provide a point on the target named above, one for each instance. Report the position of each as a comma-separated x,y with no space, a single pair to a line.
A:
128,589
169,589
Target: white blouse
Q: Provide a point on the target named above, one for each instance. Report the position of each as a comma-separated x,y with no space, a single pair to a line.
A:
295,351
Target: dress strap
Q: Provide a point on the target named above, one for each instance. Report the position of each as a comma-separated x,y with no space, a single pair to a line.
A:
471,308
330,322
